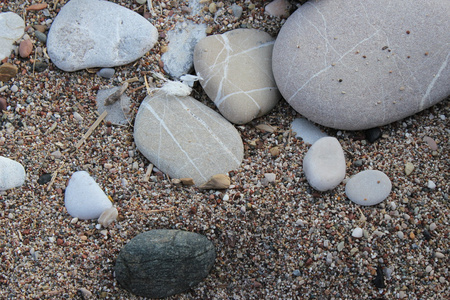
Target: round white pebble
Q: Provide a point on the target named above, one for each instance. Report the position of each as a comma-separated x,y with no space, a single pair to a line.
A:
431,185
368,187
324,164
357,232
83,198
12,174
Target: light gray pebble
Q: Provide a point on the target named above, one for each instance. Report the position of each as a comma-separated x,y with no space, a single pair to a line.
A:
237,11
14,88
433,226
400,235
368,187
106,73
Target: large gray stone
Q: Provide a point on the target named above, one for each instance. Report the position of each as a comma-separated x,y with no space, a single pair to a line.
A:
160,263
12,28
355,65
184,138
97,33
236,72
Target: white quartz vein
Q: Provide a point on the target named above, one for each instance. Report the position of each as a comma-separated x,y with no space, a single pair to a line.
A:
211,132
169,132
431,85
330,66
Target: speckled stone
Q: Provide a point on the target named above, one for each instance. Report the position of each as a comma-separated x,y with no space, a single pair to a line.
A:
368,187
355,65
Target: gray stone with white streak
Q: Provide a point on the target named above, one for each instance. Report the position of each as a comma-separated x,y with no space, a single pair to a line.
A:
186,139
354,65
97,33
236,73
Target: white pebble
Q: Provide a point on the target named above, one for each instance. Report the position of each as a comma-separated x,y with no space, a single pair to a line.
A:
431,185
340,246
400,235
12,174
324,164
401,295
433,226
84,199
428,269
368,187
108,216
77,116
378,233
439,254
14,88
56,154
225,197
74,220
357,232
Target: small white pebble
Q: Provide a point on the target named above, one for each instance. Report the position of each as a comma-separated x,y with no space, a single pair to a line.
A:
378,233
77,116
401,295
86,293
98,226
442,117
225,197
357,232
14,88
442,279
56,154
431,185
428,269
340,246
433,226
439,254
400,235
74,220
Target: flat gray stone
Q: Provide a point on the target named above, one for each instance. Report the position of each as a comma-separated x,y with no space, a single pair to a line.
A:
236,72
186,139
118,107
324,164
368,187
12,174
306,130
160,263
356,65
178,60
97,33
12,28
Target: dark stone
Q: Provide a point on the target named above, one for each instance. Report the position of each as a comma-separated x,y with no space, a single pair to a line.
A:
162,262
40,66
427,235
379,279
46,177
372,134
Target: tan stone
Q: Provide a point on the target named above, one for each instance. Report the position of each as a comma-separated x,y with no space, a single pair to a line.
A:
217,182
236,72
7,71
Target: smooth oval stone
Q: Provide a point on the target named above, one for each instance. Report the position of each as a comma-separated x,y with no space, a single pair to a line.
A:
12,174
95,33
106,72
306,130
12,28
186,139
236,73
324,164
356,65
161,262
368,187
83,198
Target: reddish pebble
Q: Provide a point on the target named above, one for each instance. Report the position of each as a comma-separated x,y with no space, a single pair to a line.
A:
59,242
430,143
25,48
3,104
37,6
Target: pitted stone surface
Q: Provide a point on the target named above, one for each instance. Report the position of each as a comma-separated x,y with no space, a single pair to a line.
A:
355,65
186,139
96,33
236,72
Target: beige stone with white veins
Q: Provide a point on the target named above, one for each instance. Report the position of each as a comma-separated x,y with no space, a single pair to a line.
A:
236,72
186,139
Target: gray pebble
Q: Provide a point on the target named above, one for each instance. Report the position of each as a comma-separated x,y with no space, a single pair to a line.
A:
14,88
42,37
237,11
106,73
